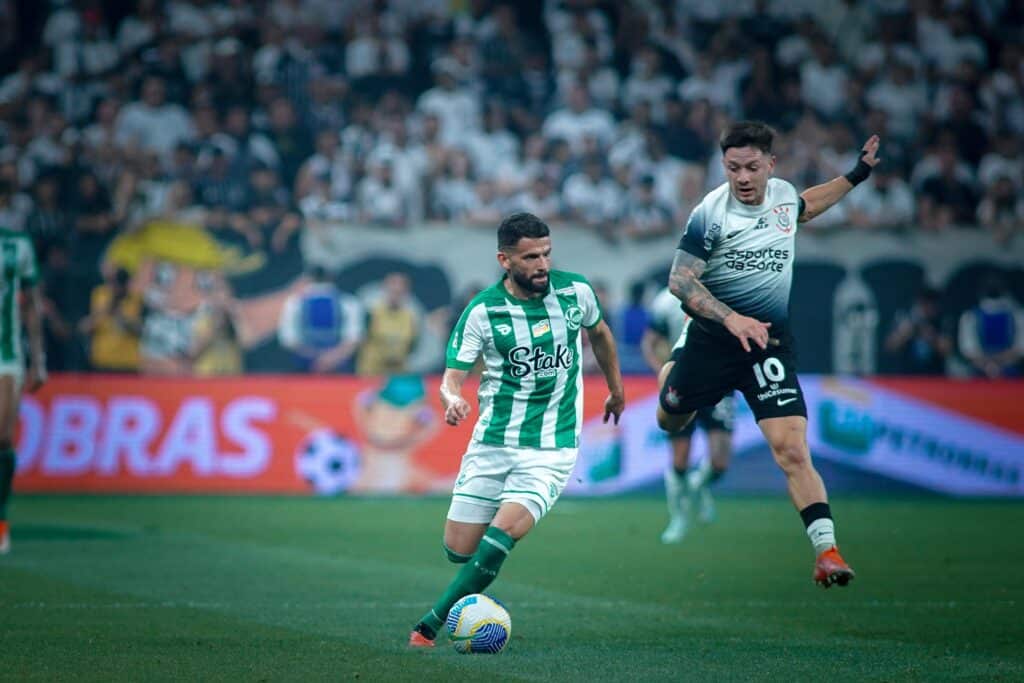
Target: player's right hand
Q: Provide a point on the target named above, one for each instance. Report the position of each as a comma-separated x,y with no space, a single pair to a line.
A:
747,330
457,411
36,379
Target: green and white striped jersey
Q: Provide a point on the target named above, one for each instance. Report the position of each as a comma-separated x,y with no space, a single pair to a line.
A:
531,393
19,270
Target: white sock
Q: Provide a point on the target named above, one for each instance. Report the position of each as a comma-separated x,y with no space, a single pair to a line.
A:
822,533
698,476
676,490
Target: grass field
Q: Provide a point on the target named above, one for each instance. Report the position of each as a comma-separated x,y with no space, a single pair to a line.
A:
187,588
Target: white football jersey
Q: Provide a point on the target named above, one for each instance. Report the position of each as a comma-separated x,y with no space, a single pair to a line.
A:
749,251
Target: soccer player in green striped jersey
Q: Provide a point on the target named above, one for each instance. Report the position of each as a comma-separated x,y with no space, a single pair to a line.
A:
527,328
20,273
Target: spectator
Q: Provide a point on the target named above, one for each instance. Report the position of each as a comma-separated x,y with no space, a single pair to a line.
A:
457,108
392,328
823,80
153,123
1001,210
991,333
494,143
592,197
326,173
380,201
14,207
884,201
647,83
114,325
454,194
270,214
644,216
49,222
1002,160
632,322
290,139
919,339
540,199
321,325
946,199
487,206
578,119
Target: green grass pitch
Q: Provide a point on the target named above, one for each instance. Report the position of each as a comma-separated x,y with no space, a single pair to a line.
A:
267,589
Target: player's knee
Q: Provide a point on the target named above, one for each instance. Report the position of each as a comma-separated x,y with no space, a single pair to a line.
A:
456,557
791,453
673,423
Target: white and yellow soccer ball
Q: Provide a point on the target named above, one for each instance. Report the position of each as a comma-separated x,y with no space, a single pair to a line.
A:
479,624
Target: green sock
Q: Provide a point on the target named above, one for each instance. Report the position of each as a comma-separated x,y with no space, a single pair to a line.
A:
475,576
8,463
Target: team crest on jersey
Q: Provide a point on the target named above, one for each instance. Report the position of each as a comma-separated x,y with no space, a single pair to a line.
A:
503,329
573,317
541,328
782,219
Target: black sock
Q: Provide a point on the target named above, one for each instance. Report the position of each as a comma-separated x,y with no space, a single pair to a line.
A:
815,511
680,472
715,476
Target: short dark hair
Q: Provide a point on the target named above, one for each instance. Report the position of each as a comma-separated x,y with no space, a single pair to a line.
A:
520,225
748,134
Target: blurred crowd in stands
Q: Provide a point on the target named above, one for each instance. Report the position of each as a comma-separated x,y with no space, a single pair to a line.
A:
260,118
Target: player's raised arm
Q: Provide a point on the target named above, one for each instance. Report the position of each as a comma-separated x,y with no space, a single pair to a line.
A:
820,198
684,282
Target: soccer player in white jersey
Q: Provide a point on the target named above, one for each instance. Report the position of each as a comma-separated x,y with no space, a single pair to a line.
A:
20,274
733,272
686,487
527,327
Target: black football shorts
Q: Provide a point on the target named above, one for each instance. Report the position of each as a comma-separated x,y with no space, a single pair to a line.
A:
709,367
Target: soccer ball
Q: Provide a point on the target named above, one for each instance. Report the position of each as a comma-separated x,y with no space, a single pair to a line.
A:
328,462
479,624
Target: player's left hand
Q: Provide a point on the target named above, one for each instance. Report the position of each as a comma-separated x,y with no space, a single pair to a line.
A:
870,151
36,378
614,405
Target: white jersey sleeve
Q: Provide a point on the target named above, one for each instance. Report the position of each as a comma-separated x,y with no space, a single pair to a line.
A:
468,337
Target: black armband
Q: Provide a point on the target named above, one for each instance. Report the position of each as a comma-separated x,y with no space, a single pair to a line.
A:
860,172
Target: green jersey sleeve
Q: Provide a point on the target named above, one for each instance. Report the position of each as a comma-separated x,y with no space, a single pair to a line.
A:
588,303
467,340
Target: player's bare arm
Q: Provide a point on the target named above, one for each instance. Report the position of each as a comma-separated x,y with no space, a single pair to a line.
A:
603,343
34,324
820,198
456,408
684,282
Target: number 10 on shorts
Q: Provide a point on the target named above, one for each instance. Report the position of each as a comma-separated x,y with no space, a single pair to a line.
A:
769,370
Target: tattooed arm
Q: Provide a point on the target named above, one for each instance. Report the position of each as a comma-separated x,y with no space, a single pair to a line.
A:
684,282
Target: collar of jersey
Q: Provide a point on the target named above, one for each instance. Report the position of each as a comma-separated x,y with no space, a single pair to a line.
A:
748,210
538,301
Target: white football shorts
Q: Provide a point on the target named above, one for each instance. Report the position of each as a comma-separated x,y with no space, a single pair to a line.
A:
17,370
491,475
